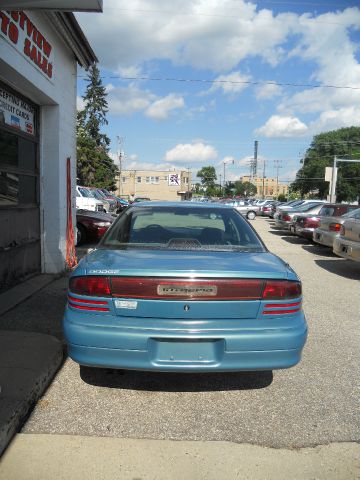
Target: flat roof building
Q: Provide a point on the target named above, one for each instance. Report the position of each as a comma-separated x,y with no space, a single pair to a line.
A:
267,187
39,54
155,184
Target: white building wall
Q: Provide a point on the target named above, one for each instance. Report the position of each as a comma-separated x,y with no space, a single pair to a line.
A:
57,101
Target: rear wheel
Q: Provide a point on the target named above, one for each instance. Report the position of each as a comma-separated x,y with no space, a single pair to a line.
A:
251,215
81,234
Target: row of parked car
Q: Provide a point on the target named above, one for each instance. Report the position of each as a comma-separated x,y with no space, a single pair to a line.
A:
334,225
96,211
99,200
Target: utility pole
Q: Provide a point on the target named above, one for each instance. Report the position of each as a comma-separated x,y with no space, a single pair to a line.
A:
334,175
119,156
263,181
253,161
278,165
225,163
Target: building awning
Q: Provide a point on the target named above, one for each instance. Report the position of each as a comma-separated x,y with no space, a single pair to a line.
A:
58,5
73,36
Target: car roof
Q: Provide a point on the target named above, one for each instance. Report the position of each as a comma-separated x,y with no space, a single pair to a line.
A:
180,204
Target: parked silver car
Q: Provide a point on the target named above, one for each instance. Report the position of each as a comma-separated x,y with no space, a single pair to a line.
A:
285,217
347,244
245,208
329,227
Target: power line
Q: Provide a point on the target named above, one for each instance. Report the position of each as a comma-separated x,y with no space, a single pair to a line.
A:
233,82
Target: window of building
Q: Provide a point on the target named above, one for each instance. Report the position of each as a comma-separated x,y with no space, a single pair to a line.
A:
18,171
138,179
152,180
123,179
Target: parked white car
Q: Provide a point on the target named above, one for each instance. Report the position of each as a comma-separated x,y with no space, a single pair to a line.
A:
86,201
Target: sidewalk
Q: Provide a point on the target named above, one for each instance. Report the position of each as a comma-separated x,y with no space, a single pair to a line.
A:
29,353
60,457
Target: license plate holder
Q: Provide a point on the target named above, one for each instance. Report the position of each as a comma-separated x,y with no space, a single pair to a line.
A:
186,351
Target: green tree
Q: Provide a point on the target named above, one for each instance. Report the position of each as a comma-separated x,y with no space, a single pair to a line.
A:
246,189
310,179
94,165
207,176
96,107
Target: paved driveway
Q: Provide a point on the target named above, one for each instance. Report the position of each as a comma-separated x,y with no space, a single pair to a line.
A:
314,403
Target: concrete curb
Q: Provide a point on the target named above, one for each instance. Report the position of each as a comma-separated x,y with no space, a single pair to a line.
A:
28,362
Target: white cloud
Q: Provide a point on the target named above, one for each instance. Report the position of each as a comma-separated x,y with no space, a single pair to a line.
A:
130,71
201,33
128,100
325,40
138,165
191,153
267,91
233,84
161,108
131,99
333,119
282,126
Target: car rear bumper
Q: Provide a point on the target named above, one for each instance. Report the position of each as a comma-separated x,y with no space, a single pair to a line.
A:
324,238
347,249
239,349
281,225
304,232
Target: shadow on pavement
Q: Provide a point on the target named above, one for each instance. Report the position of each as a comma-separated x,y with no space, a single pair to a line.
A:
278,233
295,240
175,382
343,268
319,250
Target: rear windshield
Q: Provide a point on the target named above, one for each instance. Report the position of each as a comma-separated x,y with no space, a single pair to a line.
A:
337,211
182,228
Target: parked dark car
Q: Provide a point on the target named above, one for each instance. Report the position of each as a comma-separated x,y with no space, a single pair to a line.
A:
91,226
304,225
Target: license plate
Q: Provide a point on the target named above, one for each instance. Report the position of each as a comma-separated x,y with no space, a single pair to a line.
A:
187,290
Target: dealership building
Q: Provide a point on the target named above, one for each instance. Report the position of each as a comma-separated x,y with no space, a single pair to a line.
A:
40,51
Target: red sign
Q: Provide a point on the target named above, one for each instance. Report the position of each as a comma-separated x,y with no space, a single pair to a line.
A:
21,32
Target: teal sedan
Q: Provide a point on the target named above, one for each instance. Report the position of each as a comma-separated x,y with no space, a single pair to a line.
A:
184,287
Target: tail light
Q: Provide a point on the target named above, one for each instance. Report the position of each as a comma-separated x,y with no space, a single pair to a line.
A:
281,290
90,285
153,288
335,227
286,217
311,222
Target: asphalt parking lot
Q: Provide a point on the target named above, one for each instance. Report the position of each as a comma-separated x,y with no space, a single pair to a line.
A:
316,402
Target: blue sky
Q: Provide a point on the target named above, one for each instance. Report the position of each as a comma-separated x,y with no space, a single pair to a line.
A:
235,59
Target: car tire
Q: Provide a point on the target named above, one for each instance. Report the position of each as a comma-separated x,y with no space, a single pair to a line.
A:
81,234
251,215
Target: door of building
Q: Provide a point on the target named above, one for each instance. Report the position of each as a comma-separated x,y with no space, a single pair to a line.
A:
20,247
